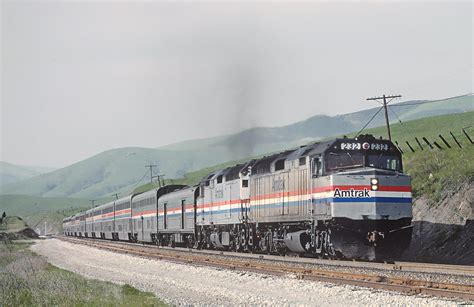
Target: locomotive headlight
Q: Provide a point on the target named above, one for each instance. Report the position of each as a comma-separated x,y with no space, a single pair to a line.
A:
374,184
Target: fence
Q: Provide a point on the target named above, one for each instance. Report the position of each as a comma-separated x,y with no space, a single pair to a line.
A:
423,143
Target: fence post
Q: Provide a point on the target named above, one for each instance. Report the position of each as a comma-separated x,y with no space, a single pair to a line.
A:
399,148
455,139
428,143
442,139
419,143
467,135
437,145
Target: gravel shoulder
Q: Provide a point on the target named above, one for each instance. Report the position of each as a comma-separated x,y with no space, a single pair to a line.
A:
180,284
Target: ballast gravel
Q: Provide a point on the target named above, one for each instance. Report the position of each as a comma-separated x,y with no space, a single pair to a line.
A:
180,284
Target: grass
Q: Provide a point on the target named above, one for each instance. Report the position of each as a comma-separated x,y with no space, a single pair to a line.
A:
26,279
12,224
434,172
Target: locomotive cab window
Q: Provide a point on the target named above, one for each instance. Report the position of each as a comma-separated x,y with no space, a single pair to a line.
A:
280,164
245,183
317,167
383,161
343,160
219,179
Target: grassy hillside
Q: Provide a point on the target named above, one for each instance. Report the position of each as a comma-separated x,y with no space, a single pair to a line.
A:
10,173
432,170
191,178
122,170
447,167
435,170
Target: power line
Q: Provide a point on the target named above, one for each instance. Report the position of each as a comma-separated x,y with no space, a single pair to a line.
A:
384,104
138,182
370,120
400,121
151,166
428,101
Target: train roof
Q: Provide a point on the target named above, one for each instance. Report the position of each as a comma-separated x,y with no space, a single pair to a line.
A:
263,165
159,191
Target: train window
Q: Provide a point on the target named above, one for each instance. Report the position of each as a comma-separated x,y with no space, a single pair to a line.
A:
340,161
280,164
302,161
183,212
207,183
219,179
245,183
384,162
165,214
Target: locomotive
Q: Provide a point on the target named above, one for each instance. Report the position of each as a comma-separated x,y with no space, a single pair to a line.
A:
342,198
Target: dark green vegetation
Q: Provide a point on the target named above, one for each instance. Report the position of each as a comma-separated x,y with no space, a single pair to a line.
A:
122,170
26,279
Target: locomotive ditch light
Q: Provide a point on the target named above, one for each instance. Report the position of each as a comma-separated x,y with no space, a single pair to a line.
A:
375,187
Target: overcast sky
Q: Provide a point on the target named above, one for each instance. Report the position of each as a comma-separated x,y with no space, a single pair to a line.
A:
79,78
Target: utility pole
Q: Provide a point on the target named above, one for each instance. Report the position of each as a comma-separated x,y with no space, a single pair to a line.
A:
116,195
385,103
160,179
151,166
93,203
45,223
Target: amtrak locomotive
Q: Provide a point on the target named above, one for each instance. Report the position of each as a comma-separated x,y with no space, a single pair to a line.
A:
344,198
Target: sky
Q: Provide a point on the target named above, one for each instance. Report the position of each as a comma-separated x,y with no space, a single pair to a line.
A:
79,78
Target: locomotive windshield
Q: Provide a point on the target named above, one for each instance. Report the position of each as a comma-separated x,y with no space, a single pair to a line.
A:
347,154
384,162
343,160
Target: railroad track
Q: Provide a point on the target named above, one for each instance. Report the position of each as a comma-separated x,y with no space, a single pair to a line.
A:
281,266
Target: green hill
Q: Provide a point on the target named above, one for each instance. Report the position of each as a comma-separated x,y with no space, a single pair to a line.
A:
10,173
432,170
122,170
419,164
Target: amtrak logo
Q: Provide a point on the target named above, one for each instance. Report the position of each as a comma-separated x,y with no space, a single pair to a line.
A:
351,193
